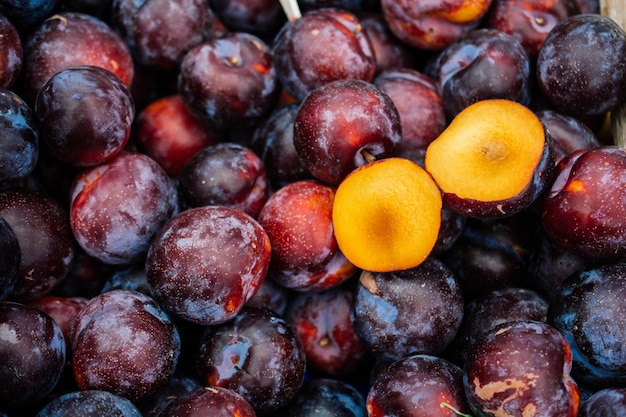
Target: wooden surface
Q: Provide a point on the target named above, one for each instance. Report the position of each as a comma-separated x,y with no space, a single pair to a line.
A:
616,10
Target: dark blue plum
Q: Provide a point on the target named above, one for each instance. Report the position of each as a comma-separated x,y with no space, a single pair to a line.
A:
19,147
326,397
89,403
26,14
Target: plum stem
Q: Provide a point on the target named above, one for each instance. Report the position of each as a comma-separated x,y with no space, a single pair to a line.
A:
291,9
368,156
457,412
615,10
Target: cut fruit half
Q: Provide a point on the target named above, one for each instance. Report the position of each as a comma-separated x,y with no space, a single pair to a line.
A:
387,215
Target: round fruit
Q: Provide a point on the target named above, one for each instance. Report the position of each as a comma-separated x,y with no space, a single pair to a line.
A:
386,215
494,159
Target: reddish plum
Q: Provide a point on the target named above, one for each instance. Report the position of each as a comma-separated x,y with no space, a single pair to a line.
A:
322,46
230,80
345,124
529,21
118,207
206,262
169,132
257,355
323,324
124,343
69,39
11,54
213,401
418,385
419,104
583,211
298,221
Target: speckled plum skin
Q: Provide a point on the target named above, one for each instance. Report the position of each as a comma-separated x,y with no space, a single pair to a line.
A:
206,262
484,64
590,311
298,221
580,66
160,32
413,311
70,117
10,256
583,212
230,80
257,355
341,121
213,401
117,207
44,235
322,46
33,351
123,342
10,52
417,385
68,39
89,403
521,368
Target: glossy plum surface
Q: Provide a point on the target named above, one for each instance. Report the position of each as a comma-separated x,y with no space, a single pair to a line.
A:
19,148
418,385
408,312
124,343
519,368
322,46
529,21
484,64
117,207
323,323
343,125
230,80
583,211
225,174
309,259
44,235
33,349
171,133
589,311
257,355
11,52
70,117
69,39
206,262
567,67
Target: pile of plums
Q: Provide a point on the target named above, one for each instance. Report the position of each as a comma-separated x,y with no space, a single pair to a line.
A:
168,173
